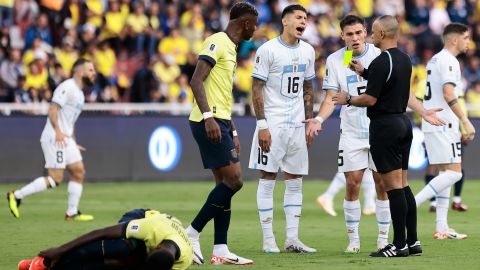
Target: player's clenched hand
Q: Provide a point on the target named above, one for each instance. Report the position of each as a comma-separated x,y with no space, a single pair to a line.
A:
264,140
356,66
236,141
312,127
431,117
53,254
340,98
469,129
213,130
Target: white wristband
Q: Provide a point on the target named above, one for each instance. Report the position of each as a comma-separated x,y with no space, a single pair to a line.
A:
235,133
207,115
262,124
320,119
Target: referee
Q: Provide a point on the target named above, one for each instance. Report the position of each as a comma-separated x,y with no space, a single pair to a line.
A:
387,97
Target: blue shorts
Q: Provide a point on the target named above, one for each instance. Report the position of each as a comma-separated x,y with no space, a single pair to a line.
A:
215,155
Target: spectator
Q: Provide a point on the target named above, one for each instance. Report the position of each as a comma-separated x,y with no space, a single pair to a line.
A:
242,83
10,70
94,11
39,30
170,19
154,31
473,98
113,28
175,45
166,70
6,13
137,24
66,55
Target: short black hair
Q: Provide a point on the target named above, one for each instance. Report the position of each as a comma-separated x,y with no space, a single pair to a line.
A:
160,260
241,9
292,8
455,28
351,20
78,63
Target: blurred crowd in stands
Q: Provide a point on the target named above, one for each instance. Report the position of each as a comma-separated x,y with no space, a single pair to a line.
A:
146,50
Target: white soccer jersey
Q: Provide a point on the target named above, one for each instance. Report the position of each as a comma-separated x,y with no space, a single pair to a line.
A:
71,99
443,68
284,69
339,77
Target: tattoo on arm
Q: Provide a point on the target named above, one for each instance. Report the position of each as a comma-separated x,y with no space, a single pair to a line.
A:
258,102
308,97
452,102
202,70
232,126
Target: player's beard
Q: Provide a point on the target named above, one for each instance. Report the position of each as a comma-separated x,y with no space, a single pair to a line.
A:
87,82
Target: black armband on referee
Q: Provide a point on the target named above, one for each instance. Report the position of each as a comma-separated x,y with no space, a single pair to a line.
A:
365,74
452,102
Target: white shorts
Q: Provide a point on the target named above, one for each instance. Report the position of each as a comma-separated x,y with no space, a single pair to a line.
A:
354,154
288,152
58,158
443,147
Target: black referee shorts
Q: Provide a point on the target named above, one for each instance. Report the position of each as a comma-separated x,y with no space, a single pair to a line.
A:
215,155
390,140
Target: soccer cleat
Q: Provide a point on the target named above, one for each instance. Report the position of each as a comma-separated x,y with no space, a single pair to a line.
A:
460,207
297,246
368,211
37,264
24,264
415,249
353,248
449,234
271,247
230,258
432,209
440,236
381,243
13,204
326,205
390,251
197,252
79,217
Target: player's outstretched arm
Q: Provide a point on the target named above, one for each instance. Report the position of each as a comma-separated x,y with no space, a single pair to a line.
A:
364,100
54,254
326,109
264,137
202,70
429,115
452,101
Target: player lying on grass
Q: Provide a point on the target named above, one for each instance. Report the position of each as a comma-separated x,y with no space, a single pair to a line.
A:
143,239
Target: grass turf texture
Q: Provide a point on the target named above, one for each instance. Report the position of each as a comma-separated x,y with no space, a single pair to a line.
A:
41,225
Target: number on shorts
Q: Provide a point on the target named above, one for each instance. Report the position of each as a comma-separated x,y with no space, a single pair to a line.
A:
262,158
340,158
457,149
59,157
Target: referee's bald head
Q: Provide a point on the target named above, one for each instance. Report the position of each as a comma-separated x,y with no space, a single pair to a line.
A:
389,25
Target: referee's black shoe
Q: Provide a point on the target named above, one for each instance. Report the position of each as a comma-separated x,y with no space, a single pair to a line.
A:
415,249
390,251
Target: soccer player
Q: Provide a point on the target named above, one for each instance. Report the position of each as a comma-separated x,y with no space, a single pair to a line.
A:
354,147
283,97
143,239
325,200
443,144
214,132
390,131
59,145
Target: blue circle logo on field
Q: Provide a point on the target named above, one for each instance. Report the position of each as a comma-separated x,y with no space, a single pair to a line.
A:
164,148
418,159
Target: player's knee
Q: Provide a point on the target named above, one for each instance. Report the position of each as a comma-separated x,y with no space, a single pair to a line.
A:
268,175
235,181
79,174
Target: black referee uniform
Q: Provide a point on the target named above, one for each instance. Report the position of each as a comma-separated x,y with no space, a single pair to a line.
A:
391,137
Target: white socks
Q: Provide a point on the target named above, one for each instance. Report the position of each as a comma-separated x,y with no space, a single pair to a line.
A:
37,185
292,204
74,193
220,250
443,200
437,185
352,213
265,208
383,219
335,186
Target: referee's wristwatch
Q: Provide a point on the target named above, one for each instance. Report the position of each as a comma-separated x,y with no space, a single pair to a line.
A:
348,98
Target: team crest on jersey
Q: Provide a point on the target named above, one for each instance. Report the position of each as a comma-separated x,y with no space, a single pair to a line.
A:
450,68
257,60
134,228
212,47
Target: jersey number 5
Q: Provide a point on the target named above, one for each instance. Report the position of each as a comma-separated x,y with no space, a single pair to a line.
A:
428,91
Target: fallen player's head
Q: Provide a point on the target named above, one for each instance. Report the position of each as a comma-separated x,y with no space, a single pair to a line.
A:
163,257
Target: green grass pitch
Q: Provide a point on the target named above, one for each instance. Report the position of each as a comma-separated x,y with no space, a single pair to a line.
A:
41,226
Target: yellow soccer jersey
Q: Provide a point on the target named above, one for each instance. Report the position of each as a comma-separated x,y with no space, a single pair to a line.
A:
155,228
219,50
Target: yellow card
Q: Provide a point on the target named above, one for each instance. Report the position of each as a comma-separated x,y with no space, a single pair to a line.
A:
347,57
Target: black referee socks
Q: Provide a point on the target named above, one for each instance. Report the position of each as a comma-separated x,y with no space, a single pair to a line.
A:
398,210
411,216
